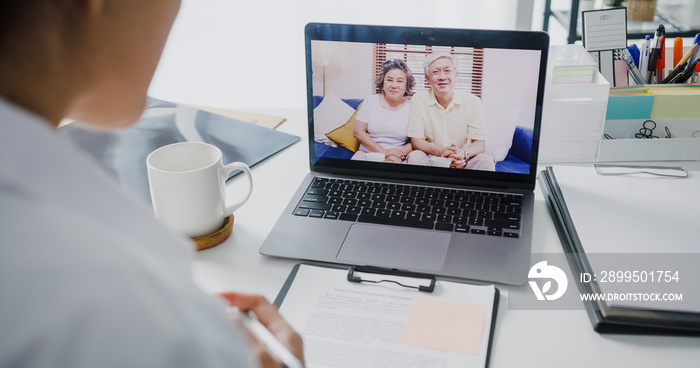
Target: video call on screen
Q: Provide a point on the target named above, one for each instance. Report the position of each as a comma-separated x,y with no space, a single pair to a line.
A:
344,81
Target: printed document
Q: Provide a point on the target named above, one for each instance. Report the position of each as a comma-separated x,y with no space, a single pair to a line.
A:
347,324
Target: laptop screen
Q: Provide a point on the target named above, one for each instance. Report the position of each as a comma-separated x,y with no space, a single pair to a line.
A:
441,105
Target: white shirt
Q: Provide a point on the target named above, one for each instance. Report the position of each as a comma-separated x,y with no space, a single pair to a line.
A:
387,128
88,276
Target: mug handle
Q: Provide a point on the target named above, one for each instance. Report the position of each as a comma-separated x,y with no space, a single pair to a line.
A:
227,170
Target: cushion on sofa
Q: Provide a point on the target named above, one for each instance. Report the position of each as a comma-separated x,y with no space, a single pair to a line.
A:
330,114
344,135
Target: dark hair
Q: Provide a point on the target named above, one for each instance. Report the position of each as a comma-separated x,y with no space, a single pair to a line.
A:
395,64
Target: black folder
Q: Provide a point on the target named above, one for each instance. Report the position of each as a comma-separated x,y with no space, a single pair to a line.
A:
607,319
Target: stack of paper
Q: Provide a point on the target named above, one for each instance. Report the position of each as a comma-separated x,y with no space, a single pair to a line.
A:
571,64
657,101
673,101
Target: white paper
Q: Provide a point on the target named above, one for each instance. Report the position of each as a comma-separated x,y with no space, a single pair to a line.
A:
348,324
605,29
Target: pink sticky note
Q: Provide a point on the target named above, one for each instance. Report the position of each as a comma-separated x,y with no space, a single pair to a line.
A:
444,326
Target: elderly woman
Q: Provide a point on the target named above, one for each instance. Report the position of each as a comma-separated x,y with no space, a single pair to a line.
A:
381,124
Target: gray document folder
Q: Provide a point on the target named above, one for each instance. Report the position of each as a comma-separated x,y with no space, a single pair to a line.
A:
124,152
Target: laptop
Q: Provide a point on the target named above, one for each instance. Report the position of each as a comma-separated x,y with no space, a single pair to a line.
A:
461,223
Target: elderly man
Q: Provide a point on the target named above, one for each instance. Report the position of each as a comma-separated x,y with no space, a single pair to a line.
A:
445,122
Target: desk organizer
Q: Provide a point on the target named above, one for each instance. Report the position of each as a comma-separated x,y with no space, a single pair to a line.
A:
208,241
572,122
679,112
625,147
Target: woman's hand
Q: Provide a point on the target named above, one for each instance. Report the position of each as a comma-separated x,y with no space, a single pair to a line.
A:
394,152
269,316
393,159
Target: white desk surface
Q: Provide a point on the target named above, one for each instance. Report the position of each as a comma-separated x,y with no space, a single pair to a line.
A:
543,338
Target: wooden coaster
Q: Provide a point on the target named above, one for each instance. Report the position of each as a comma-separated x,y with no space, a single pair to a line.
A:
208,241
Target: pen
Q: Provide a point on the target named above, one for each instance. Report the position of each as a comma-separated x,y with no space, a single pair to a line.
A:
689,54
696,78
278,351
661,64
655,52
677,51
695,53
675,72
682,78
634,51
634,72
644,56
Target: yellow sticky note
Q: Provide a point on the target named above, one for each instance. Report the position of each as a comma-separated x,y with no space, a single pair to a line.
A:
676,106
444,326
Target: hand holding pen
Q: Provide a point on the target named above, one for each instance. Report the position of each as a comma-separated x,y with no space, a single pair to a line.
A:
276,343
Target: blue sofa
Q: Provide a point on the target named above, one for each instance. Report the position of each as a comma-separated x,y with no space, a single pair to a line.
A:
516,161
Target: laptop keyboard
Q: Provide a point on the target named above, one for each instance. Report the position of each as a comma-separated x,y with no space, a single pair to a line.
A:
466,211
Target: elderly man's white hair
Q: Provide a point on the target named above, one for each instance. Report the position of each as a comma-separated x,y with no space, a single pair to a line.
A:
437,55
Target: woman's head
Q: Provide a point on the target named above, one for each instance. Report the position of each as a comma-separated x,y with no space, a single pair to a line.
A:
395,74
91,60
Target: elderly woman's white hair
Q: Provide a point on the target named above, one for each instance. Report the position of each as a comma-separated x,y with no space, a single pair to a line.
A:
437,55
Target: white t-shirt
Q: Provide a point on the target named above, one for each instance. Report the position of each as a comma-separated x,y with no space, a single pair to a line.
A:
388,128
88,276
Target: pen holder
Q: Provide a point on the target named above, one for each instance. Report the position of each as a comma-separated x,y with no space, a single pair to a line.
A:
641,10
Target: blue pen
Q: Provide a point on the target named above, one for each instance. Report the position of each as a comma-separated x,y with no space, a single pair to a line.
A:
634,52
695,54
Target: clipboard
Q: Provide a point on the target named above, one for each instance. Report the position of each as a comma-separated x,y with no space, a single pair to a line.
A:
604,318
370,314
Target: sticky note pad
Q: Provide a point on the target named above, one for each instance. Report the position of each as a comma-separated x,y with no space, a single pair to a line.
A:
444,326
676,106
629,107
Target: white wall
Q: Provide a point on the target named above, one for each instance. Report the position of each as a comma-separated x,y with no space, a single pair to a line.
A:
349,70
250,54
509,85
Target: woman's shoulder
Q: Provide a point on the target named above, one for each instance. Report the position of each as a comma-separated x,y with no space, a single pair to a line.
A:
372,98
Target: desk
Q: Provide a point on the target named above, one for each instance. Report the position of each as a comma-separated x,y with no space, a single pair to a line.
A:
547,338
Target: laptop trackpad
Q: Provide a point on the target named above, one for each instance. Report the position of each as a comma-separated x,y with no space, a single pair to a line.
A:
394,247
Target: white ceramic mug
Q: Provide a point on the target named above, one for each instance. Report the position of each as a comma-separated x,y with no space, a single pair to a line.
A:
440,161
187,187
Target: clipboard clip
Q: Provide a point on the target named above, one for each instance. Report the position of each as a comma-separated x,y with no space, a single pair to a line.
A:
352,277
